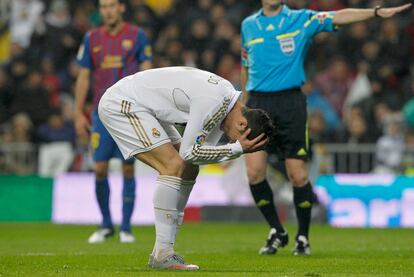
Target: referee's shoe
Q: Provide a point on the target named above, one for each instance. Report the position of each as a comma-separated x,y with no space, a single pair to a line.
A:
274,242
302,247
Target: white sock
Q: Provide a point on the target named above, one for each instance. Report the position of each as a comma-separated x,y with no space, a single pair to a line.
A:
166,198
186,188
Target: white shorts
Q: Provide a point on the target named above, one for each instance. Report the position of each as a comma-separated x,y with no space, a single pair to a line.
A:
134,132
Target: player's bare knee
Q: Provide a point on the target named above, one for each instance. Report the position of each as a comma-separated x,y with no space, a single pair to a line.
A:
101,170
128,170
298,179
255,174
101,174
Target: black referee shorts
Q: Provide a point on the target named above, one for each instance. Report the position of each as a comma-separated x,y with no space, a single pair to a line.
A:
288,110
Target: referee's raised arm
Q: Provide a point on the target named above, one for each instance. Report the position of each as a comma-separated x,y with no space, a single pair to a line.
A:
348,16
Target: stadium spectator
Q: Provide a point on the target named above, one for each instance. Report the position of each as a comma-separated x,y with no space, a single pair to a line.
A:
217,12
356,129
50,81
20,129
370,58
17,148
377,123
5,96
56,129
390,146
315,101
174,50
68,78
394,51
334,83
351,41
318,131
55,151
18,70
61,39
199,37
25,15
32,98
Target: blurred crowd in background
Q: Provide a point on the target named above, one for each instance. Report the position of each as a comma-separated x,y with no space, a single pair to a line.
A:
360,79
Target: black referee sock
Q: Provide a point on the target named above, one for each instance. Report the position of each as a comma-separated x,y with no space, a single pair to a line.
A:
303,199
263,197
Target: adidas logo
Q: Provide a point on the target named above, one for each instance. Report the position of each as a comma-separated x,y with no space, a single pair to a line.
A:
262,203
270,27
305,205
302,152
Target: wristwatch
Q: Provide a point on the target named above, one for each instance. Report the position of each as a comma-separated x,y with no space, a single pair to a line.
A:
376,9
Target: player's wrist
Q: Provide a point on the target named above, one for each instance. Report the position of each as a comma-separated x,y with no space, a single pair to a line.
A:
376,10
237,148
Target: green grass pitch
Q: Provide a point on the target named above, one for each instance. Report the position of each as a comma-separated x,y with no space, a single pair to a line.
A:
219,249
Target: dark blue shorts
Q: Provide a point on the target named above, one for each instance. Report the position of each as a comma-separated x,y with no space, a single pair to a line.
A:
103,146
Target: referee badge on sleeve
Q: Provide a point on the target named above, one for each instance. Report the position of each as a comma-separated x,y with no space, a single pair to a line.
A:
287,46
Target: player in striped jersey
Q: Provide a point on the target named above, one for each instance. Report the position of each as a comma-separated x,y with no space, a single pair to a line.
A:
108,53
140,111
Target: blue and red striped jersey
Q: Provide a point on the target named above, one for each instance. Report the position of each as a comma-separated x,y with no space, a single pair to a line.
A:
112,57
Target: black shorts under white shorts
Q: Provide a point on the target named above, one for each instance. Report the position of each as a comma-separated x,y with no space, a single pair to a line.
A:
288,111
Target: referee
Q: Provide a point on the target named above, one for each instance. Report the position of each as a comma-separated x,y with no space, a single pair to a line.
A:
275,41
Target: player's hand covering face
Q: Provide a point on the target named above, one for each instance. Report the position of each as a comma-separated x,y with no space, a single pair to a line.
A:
256,144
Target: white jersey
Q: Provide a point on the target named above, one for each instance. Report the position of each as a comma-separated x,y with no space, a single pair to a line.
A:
175,95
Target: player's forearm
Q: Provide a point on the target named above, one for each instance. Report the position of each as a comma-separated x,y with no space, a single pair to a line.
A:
213,154
81,92
348,16
244,76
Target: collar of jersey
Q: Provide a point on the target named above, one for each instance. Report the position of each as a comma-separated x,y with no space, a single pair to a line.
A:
233,101
285,12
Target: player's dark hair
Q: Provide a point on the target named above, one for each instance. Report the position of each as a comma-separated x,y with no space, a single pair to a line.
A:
259,122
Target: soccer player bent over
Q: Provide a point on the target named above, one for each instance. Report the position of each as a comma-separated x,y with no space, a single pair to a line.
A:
140,111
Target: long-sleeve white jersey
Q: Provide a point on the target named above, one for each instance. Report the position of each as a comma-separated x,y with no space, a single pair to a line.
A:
185,95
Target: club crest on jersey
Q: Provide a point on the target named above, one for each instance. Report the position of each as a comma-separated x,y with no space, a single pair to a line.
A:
200,139
127,44
155,133
96,49
148,51
287,46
